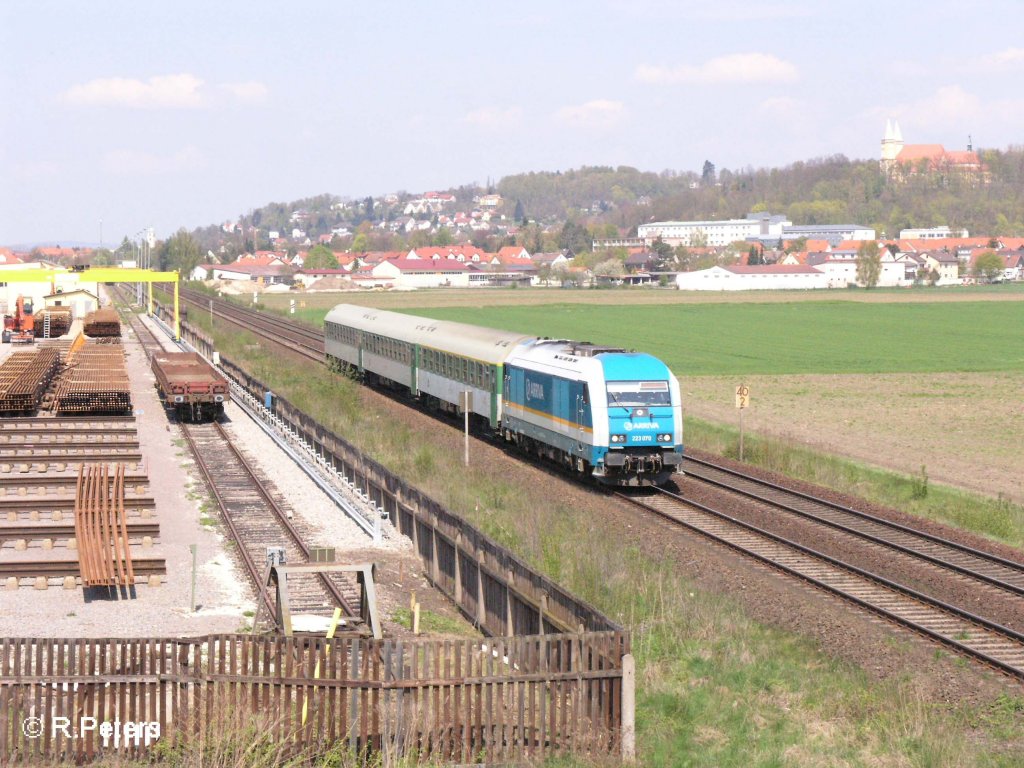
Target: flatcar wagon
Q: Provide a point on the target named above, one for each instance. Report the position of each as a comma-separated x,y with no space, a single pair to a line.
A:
189,385
602,412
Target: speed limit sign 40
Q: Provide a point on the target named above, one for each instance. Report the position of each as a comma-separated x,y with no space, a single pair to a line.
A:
742,396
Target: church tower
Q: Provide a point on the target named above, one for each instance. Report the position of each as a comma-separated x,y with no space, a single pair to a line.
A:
892,143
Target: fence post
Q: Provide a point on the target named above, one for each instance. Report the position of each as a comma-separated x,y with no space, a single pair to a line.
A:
481,609
628,709
458,569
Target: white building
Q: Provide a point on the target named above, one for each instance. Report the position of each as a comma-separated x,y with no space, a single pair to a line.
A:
840,273
834,233
752,278
714,233
423,273
35,292
931,233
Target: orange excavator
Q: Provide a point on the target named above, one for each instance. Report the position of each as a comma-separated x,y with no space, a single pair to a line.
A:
20,327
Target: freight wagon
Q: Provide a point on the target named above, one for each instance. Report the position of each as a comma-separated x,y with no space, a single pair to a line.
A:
190,386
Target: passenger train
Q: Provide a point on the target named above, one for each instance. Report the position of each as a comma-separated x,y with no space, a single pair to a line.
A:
600,411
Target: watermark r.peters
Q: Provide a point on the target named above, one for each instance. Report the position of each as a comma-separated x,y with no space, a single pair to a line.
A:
112,733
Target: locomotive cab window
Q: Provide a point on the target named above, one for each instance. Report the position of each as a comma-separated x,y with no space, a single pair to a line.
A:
638,393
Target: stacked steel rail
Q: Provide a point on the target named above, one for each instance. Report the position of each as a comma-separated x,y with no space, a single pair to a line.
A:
52,322
24,377
256,521
94,381
101,530
970,634
102,322
51,505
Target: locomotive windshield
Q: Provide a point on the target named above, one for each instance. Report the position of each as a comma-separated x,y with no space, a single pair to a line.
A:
633,393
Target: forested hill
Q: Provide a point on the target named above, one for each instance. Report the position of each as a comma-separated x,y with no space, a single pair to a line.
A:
821,191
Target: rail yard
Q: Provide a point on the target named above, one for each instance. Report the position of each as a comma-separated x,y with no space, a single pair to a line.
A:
151,488
963,596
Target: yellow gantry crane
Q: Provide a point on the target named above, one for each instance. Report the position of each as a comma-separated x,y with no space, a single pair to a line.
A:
98,275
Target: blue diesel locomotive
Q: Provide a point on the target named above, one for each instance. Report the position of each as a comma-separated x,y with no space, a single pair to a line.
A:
600,411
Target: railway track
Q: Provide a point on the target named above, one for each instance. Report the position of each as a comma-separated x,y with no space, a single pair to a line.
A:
256,521
969,634
308,342
253,517
976,564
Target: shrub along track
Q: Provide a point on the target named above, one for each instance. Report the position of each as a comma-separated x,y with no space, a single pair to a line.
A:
794,606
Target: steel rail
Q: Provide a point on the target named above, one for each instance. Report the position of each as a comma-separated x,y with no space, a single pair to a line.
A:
143,566
1017,569
45,530
255,573
71,421
282,517
47,455
1014,639
310,343
47,479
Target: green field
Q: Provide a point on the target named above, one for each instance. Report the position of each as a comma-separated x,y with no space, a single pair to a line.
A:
780,338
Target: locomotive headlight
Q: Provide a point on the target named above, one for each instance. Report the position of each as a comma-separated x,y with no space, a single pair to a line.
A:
618,438
665,438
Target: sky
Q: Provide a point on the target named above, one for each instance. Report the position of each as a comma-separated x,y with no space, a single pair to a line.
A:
117,116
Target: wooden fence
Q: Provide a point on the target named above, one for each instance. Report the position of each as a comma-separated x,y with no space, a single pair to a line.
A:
506,700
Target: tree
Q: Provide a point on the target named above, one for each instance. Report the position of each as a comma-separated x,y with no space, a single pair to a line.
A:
707,175
182,253
575,237
660,247
443,236
359,243
102,257
754,256
519,215
320,257
544,273
869,264
988,265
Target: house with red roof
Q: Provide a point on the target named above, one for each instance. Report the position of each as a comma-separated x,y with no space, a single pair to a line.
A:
512,252
461,253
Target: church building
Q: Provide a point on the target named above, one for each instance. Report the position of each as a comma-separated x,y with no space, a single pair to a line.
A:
901,161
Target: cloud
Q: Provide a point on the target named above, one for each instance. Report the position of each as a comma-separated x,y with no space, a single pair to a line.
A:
779,106
732,11
494,117
181,91
1011,58
949,113
129,162
251,92
160,92
597,113
737,68
41,169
